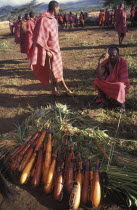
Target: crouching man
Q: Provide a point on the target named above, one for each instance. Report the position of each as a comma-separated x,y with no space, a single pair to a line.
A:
112,78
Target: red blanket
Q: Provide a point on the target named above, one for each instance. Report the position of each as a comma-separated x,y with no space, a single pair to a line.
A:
116,85
17,32
120,21
101,18
23,36
30,29
46,39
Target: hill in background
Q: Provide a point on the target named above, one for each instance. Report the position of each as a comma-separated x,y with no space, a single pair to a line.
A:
74,6
85,5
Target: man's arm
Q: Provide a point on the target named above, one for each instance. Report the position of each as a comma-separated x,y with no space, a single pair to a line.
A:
100,69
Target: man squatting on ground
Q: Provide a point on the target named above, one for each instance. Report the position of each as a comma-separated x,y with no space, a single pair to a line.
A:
112,77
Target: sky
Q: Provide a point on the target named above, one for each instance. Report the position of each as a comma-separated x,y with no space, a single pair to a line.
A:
21,2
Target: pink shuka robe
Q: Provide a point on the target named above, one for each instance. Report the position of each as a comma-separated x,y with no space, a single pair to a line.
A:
46,39
23,37
132,13
30,29
116,85
120,21
17,32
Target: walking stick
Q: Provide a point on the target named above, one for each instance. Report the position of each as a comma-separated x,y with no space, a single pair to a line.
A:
113,144
52,81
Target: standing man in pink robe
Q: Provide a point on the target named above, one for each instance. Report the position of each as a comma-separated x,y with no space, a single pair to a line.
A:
120,23
30,29
132,15
17,29
46,50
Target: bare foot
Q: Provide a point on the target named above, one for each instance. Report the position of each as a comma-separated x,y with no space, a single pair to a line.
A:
122,108
69,92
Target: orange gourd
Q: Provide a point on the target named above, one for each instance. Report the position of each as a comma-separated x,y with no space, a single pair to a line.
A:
85,186
49,182
95,196
58,189
47,160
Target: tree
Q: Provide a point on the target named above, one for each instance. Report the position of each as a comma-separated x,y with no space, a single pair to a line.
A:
117,2
25,8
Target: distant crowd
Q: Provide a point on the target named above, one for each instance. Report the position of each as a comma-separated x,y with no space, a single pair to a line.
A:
107,17
70,20
65,20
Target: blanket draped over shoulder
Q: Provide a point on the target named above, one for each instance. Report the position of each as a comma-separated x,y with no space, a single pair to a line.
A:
46,39
120,21
30,29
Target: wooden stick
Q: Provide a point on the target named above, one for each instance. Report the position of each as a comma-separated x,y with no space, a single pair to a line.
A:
100,148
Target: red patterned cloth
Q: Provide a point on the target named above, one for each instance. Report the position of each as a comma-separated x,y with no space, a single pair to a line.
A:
116,85
46,39
17,32
23,36
132,13
120,21
30,29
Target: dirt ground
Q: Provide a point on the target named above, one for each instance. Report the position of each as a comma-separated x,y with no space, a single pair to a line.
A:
19,89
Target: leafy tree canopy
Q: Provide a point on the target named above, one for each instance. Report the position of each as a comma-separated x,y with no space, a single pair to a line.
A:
26,8
117,2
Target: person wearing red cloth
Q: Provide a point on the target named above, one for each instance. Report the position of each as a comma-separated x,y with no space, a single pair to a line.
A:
46,50
17,29
120,23
112,77
66,20
81,19
23,34
30,29
101,18
132,15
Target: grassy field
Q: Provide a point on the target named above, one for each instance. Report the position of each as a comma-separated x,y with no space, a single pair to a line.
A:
80,49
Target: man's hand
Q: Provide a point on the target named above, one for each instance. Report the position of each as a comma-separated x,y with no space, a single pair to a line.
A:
49,54
104,55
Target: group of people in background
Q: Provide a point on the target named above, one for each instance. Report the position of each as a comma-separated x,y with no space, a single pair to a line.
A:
70,20
107,17
118,19
23,32
65,20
